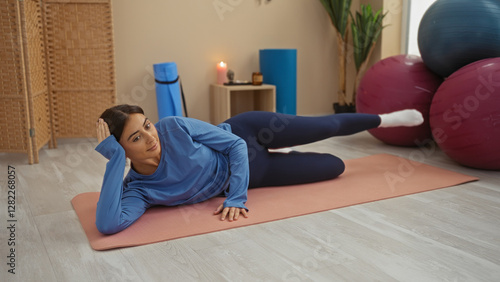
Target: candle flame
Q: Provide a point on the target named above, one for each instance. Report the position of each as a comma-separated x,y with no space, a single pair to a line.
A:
222,64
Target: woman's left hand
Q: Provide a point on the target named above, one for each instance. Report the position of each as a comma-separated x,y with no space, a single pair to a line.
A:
231,213
102,130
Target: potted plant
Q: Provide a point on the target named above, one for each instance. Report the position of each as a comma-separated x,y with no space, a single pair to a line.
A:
366,27
339,11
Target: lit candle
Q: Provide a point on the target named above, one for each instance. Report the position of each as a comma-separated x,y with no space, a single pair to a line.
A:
221,72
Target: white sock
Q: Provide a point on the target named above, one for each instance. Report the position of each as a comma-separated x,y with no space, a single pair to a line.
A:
401,118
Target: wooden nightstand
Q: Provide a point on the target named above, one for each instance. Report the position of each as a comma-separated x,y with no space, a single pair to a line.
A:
228,101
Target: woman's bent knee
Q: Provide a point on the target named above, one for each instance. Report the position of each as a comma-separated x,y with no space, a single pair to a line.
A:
337,167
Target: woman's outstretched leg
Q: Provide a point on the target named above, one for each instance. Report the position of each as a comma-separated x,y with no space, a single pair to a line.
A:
275,130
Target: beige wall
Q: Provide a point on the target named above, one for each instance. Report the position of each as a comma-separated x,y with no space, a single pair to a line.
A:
195,36
391,35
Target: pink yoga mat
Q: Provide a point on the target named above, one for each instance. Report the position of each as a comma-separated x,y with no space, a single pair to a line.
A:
366,179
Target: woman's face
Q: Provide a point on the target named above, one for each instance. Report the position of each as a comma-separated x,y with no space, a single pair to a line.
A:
140,139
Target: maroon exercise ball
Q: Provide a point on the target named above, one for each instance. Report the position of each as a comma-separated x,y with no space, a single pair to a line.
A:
465,115
397,83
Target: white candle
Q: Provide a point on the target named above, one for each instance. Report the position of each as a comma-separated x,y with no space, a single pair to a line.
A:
221,72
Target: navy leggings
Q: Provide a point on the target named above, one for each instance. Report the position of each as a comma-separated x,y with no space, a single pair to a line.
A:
266,130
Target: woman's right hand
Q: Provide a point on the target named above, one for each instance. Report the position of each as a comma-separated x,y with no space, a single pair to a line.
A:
102,130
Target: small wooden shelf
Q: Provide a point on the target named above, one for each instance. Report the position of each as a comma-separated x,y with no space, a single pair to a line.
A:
228,101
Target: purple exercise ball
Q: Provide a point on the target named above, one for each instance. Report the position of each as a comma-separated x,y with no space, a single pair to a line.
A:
397,83
465,115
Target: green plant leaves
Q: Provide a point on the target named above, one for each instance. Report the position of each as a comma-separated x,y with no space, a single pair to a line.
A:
339,11
366,27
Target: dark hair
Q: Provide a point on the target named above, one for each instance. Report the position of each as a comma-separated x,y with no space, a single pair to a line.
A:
117,116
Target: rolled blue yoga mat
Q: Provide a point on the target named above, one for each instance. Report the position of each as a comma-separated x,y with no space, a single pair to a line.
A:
279,68
168,91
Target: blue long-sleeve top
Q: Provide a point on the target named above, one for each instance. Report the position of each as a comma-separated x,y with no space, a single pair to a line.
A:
198,161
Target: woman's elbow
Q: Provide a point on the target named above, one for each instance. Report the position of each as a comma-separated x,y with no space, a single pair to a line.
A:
241,146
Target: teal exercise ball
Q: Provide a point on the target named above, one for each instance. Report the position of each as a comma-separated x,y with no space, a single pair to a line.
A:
455,33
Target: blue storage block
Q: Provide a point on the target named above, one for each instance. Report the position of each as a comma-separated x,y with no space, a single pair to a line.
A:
279,67
168,92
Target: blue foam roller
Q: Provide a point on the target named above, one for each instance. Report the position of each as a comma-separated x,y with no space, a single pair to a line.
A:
279,68
168,92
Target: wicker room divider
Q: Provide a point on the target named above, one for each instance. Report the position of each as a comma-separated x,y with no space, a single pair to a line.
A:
57,71
80,59
24,118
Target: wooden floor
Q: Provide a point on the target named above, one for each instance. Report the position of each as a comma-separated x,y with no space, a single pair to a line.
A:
450,234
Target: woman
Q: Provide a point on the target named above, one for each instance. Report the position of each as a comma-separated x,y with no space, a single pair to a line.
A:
185,161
